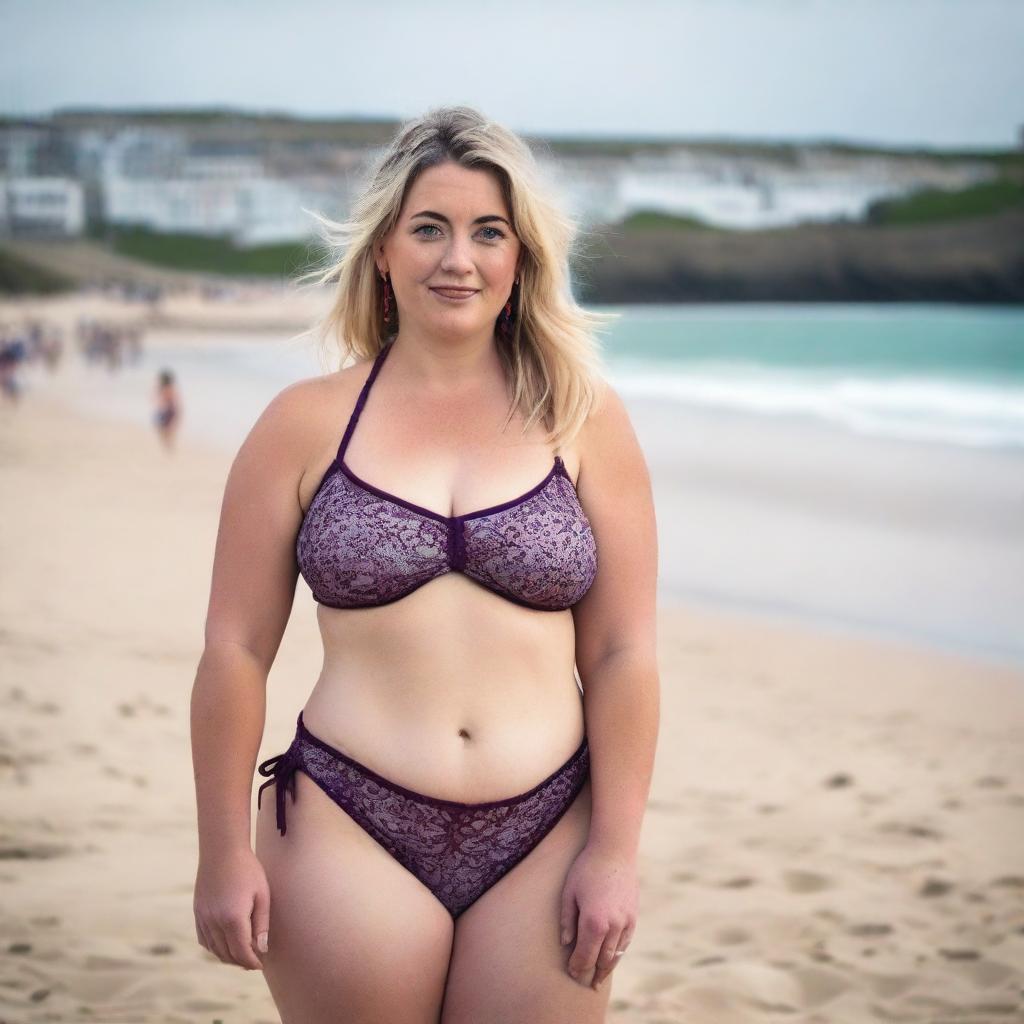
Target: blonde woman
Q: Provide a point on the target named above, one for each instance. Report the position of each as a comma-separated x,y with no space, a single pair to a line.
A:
453,831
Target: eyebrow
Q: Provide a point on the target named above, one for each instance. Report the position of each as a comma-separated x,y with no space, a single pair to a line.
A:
441,216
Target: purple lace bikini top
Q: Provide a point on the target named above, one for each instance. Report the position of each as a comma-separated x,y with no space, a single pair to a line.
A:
359,546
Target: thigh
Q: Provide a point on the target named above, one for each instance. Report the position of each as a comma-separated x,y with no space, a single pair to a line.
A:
507,964
355,938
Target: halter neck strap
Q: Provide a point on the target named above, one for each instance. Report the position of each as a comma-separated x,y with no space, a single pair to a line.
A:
378,362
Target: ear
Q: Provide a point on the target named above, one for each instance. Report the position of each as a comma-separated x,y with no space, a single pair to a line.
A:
378,258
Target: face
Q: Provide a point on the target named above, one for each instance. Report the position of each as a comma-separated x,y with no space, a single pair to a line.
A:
454,230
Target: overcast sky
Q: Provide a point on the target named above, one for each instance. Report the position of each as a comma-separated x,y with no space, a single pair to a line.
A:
900,72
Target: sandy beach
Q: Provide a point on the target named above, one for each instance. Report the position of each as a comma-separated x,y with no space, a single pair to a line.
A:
833,833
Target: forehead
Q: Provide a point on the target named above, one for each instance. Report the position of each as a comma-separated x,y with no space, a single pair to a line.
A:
451,187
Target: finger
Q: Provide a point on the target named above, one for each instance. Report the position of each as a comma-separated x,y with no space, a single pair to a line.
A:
206,930
584,956
239,939
567,917
218,943
607,960
261,922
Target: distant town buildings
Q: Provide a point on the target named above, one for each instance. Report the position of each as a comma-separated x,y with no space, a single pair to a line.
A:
244,181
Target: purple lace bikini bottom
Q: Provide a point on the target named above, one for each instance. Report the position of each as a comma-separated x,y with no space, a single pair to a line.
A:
457,850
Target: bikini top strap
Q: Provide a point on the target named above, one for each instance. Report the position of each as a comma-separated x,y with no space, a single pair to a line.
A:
378,362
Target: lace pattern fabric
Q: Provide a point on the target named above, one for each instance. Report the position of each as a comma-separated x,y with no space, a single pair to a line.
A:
458,850
357,549
360,546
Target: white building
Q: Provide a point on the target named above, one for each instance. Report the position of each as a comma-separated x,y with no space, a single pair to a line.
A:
41,207
252,211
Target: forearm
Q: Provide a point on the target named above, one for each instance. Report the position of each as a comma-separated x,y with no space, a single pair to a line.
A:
622,710
228,712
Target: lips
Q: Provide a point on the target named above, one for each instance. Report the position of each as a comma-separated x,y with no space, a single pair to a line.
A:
455,293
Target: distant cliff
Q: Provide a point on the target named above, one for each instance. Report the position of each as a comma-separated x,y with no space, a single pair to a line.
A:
980,259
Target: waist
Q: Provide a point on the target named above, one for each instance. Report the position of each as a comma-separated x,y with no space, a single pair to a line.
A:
451,740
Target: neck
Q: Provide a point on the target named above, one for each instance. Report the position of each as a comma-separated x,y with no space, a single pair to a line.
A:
445,364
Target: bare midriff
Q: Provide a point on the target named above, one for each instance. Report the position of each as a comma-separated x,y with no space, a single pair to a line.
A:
451,691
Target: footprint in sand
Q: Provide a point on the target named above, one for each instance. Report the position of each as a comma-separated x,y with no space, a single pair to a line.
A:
1009,881
934,887
889,985
870,928
738,882
683,876
797,880
707,961
990,782
819,985
732,936
839,780
10,850
907,828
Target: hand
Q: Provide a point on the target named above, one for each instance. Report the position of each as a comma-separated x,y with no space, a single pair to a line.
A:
604,888
232,908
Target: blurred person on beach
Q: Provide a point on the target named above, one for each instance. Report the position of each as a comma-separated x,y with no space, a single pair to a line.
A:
13,352
453,831
167,414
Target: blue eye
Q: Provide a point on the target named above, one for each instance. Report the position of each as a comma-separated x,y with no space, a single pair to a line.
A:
492,238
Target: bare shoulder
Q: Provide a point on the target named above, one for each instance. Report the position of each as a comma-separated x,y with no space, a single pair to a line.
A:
295,420
607,440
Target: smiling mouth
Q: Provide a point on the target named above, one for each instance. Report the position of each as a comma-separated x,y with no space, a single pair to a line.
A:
455,291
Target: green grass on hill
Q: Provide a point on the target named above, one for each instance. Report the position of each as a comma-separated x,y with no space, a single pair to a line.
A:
19,277
647,220
212,255
935,205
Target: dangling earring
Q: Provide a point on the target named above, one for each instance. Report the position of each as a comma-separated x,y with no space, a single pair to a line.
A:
387,300
505,319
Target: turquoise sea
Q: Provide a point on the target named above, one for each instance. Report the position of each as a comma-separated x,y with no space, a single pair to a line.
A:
930,373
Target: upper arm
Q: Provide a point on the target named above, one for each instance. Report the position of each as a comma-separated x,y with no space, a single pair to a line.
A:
614,486
254,566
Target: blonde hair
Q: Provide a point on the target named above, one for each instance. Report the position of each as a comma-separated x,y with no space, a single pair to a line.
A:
552,359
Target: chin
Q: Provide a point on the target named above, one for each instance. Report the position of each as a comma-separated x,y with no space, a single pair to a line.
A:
454,321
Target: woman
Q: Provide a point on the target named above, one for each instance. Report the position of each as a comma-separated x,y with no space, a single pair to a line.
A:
453,832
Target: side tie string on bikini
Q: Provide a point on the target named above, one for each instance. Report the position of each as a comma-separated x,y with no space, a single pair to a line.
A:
280,771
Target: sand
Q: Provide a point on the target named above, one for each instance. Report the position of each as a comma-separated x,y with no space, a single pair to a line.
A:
834,827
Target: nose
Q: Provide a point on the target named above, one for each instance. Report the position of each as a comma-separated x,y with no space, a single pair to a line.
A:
456,259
